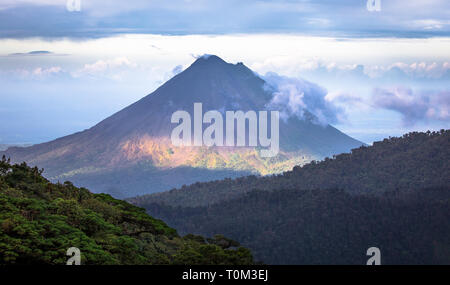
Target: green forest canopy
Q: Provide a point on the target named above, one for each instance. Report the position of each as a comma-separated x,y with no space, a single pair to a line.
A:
40,220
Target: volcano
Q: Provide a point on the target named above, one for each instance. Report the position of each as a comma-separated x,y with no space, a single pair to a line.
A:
130,153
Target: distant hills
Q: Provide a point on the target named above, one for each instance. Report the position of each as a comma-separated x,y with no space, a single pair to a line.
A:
40,221
130,153
393,195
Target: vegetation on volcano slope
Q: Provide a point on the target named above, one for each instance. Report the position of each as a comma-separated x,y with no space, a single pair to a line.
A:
40,220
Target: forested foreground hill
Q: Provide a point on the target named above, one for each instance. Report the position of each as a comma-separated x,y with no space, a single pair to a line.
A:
39,221
414,161
327,226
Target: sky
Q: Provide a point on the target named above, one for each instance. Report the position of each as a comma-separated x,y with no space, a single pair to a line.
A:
372,74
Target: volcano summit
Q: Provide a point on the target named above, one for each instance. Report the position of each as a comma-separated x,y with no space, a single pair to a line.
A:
131,152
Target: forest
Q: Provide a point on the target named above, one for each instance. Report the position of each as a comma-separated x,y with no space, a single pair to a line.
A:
393,195
326,226
40,220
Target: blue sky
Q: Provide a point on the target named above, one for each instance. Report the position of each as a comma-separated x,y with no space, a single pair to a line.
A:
382,73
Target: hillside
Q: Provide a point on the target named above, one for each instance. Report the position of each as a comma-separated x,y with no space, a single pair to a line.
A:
326,226
394,195
130,152
414,161
39,221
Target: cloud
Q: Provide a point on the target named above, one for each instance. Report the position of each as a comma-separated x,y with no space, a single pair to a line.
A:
32,53
46,71
102,65
295,96
413,70
98,18
317,69
38,73
177,69
430,24
203,56
414,106
112,68
345,98
7,4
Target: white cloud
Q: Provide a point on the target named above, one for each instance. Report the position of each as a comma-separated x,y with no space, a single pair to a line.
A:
33,73
414,106
5,4
294,96
418,69
112,68
102,65
46,71
430,24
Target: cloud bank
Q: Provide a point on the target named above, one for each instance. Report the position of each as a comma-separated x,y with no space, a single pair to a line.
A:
296,97
98,18
414,106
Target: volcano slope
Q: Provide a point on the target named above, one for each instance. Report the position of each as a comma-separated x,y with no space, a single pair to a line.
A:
131,153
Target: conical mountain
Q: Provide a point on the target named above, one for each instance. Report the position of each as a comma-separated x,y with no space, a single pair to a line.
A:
131,153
